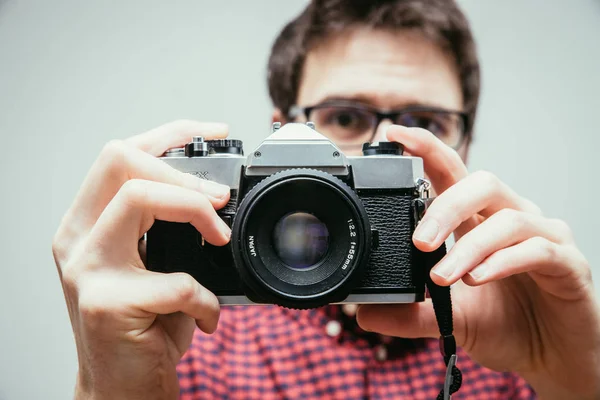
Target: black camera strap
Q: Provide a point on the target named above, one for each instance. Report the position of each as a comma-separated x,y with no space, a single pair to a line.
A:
442,306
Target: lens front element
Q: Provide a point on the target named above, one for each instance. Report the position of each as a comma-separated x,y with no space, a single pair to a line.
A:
301,240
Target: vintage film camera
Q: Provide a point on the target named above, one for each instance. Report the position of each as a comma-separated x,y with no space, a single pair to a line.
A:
310,226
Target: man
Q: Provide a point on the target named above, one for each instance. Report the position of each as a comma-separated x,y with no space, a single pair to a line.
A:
406,71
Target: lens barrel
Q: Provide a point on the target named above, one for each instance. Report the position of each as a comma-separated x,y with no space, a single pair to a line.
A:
301,238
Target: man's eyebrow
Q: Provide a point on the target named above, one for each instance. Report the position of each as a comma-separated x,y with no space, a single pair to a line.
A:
355,98
373,102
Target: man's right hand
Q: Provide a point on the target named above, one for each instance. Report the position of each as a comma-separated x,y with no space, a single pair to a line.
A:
131,325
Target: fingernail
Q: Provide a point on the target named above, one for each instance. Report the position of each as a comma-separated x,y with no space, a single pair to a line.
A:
447,266
225,229
478,272
427,230
214,189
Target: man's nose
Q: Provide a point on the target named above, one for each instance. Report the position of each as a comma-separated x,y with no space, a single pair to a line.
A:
381,129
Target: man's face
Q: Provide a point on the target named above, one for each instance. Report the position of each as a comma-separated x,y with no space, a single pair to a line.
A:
382,69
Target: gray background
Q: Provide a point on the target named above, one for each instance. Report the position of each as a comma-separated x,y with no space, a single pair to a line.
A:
74,75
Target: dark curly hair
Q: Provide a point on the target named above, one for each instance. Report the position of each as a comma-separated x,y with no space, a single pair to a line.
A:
440,20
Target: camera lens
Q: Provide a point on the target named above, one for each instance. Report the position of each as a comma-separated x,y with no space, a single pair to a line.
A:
300,240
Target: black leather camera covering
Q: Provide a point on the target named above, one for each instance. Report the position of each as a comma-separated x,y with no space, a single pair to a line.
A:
177,247
392,264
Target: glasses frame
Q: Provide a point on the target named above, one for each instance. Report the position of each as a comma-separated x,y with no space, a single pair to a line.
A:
383,114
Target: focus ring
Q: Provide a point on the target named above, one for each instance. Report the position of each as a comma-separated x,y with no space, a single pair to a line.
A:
265,203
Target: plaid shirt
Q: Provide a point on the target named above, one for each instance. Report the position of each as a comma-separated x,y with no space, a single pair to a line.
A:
268,352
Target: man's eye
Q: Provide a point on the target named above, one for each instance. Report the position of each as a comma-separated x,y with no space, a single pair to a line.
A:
344,119
428,122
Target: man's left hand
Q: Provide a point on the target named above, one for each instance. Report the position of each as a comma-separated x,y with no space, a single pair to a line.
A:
523,298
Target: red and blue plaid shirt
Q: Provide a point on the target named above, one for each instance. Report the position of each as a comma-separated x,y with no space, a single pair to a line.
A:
268,352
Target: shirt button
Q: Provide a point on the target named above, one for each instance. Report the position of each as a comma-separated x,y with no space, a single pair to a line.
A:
350,309
333,328
386,339
381,353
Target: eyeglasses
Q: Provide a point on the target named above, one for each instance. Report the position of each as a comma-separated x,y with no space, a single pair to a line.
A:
350,124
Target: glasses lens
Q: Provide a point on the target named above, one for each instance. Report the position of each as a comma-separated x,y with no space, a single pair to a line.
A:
300,240
346,126
447,127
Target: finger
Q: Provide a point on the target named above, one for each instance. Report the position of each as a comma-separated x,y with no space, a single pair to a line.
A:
503,229
175,134
179,292
138,204
180,328
442,164
142,249
119,163
557,269
137,293
479,193
414,320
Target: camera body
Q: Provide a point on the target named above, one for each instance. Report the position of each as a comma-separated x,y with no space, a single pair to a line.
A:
310,226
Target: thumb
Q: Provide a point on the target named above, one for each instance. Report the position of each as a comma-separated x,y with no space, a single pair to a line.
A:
415,320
